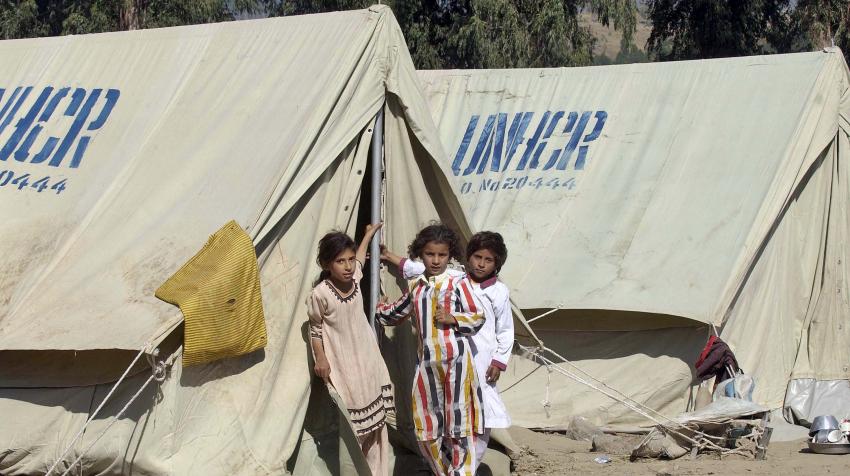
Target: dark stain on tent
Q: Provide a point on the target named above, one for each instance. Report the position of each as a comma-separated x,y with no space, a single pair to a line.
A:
145,276
14,269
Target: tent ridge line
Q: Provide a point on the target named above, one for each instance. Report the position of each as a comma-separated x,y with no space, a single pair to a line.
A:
274,210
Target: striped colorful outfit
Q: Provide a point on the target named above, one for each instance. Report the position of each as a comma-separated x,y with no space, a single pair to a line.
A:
447,411
493,345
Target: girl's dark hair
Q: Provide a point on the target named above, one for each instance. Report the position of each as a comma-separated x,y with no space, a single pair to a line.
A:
491,241
438,233
330,246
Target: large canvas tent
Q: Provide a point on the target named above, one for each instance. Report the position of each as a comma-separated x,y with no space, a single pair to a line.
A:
121,153
646,204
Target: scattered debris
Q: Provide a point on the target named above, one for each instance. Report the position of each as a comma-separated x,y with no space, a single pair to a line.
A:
660,445
581,429
615,444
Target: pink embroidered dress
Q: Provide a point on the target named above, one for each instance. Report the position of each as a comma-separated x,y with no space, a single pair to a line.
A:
358,372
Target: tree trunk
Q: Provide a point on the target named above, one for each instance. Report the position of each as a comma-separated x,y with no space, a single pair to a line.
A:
131,14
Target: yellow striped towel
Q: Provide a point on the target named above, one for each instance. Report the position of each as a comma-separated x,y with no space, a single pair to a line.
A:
218,291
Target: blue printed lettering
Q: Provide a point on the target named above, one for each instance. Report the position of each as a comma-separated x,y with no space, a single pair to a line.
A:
516,135
497,143
6,115
601,117
464,144
25,137
552,124
498,147
530,145
24,124
485,142
577,130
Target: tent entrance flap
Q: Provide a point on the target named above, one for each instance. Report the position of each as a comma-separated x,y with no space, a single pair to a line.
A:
269,160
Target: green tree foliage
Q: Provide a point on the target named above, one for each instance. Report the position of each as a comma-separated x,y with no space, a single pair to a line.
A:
19,19
690,29
32,18
493,33
439,33
815,24
631,54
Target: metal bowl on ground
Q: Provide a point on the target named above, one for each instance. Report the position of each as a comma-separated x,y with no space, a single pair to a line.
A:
821,436
830,448
823,422
835,436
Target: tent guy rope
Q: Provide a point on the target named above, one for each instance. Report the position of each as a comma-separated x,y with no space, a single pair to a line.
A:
550,311
97,410
622,398
605,385
158,374
703,440
158,370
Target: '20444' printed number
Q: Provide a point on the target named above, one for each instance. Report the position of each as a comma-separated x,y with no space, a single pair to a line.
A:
517,183
8,178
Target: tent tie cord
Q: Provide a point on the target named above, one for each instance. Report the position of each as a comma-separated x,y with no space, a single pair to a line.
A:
704,440
623,396
628,403
158,373
97,410
714,330
619,393
550,311
546,402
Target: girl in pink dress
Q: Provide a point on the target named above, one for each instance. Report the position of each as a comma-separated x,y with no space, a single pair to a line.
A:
344,346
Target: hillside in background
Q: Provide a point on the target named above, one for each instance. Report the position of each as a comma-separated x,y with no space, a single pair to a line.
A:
606,48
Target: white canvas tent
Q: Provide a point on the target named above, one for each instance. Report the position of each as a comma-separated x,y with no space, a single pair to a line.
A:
141,144
647,202
147,142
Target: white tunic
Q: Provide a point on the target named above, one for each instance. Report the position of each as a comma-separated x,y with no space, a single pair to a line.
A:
493,341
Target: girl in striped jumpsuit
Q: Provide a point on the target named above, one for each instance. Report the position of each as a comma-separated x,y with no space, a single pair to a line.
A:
447,411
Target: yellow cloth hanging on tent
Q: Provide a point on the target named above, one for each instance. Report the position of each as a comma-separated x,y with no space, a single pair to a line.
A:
218,291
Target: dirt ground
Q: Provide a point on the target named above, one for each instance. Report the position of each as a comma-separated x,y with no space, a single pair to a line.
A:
554,454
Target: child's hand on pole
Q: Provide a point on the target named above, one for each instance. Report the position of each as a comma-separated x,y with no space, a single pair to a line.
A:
372,228
389,256
362,250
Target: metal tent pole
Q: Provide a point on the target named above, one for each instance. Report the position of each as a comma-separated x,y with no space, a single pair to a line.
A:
377,157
